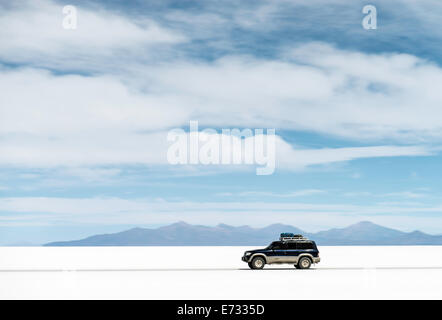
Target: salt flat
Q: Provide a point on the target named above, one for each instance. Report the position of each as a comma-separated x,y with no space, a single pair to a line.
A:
365,272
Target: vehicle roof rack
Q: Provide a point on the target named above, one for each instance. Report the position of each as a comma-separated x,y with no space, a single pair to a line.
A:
292,237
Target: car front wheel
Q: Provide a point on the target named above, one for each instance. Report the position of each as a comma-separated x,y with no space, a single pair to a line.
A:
257,263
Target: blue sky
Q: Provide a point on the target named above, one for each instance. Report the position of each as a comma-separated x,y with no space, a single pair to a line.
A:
85,114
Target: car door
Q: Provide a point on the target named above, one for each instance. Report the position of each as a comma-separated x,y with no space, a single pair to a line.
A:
292,252
279,252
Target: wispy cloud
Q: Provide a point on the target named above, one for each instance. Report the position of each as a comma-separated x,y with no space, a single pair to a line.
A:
399,194
358,194
108,211
406,194
32,34
293,194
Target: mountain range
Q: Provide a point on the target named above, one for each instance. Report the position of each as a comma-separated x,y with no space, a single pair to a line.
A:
183,234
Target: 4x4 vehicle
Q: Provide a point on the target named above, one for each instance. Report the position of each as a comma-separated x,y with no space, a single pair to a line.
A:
291,248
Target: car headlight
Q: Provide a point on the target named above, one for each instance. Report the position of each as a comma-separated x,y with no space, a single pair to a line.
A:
248,254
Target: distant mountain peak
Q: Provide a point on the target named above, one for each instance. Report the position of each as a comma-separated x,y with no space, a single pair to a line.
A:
177,224
136,229
181,223
278,224
364,224
368,225
224,226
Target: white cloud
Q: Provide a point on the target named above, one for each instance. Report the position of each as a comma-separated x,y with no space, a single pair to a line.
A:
293,158
293,194
91,174
79,144
74,120
32,32
400,194
38,103
358,194
406,194
335,95
317,88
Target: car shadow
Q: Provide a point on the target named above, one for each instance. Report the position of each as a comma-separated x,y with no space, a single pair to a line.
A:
270,269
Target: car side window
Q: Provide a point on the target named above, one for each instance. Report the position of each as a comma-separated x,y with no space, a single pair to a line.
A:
291,246
305,245
278,246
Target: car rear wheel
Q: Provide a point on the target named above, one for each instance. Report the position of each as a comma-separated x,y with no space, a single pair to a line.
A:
258,263
304,263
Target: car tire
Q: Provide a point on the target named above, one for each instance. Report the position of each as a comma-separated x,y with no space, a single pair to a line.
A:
250,265
304,263
258,263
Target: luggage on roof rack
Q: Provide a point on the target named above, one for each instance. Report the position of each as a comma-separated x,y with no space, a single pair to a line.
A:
286,236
